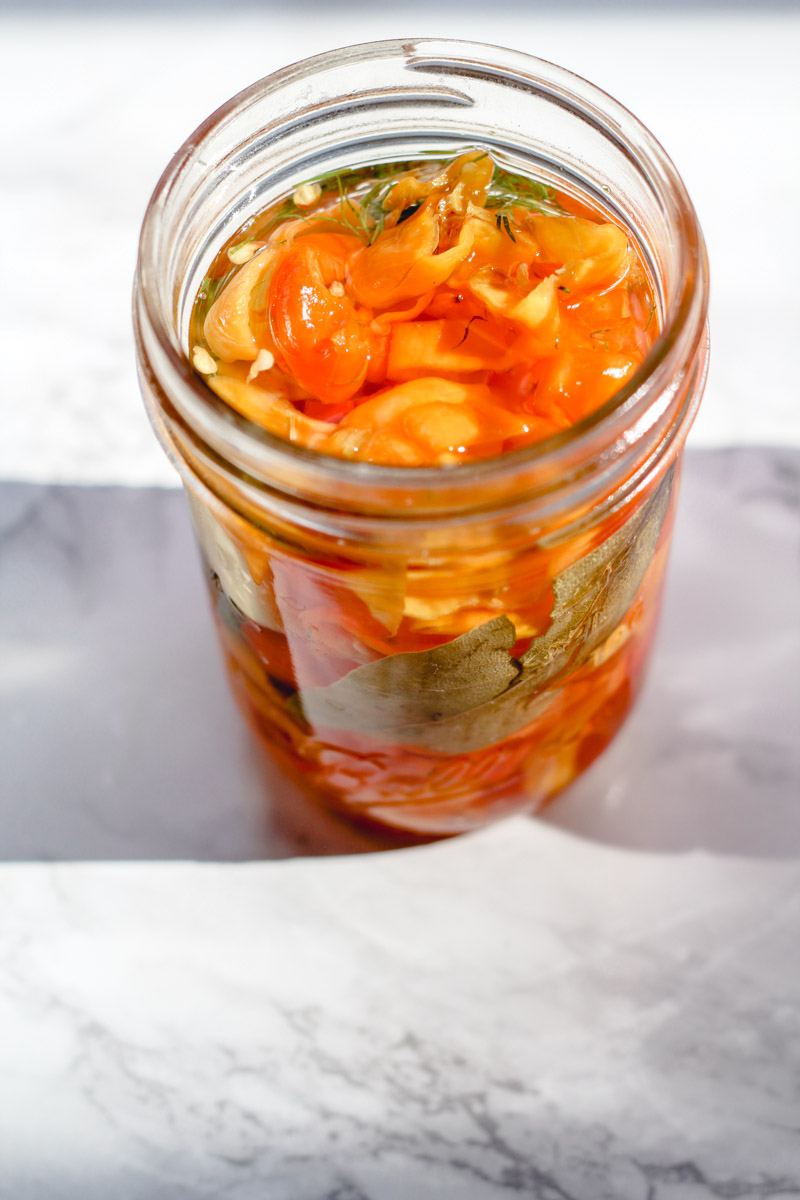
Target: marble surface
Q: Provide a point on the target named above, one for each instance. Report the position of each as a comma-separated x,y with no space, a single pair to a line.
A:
599,1005
720,89
522,1012
119,739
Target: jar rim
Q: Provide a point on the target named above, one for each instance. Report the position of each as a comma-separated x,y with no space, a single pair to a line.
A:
257,452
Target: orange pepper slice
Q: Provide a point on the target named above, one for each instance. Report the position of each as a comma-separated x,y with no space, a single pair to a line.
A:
319,336
402,262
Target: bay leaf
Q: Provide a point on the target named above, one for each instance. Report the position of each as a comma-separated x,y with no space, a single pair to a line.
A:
470,693
593,595
418,687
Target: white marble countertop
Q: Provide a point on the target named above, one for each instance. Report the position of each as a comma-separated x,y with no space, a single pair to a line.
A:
520,1012
600,1005
105,102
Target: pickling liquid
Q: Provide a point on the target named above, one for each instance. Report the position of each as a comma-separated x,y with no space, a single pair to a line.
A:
431,695
426,317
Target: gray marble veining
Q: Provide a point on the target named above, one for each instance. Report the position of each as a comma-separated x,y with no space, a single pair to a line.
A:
519,1012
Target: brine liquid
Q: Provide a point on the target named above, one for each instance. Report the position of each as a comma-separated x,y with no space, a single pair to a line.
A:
430,694
428,316
307,648
440,794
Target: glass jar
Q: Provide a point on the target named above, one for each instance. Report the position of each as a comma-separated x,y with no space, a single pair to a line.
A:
428,648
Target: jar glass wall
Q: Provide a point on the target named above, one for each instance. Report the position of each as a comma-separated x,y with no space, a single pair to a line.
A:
424,647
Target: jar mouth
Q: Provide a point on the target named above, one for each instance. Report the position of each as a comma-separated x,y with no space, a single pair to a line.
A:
655,402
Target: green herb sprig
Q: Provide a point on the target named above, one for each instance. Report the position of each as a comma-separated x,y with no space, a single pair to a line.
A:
364,214
503,221
509,190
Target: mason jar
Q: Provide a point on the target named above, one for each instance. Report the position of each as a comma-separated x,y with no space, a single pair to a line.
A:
428,648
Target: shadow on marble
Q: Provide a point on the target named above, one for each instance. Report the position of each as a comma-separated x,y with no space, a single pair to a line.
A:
119,738
118,734
711,755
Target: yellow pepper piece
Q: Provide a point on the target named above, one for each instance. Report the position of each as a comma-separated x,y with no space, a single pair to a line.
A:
402,263
382,408
538,313
472,176
270,410
424,347
385,447
539,310
492,289
226,328
440,426
591,254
